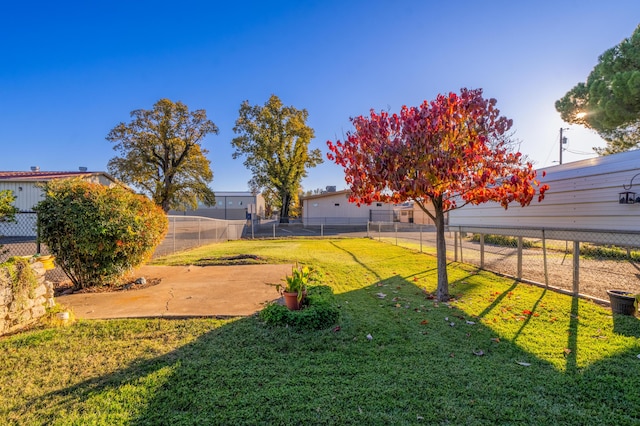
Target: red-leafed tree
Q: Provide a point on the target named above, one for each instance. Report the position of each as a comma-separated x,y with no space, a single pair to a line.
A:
452,151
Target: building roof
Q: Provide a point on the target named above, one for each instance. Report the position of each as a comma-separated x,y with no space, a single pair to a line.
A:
37,176
234,194
326,194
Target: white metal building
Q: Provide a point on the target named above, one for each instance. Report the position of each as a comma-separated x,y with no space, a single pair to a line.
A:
230,206
27,188
582,195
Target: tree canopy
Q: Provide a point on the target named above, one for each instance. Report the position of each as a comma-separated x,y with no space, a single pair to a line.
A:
161,153
452,151
609,101
274,139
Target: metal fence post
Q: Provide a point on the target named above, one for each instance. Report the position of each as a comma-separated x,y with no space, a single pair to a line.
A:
519,273
544,259
420,239
38,246
481,251
322,229
199,225
379,236
455,246
576,268
461,258
174,234
395,225
367,229
274,230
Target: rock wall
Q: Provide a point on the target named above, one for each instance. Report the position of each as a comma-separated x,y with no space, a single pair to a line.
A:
20,310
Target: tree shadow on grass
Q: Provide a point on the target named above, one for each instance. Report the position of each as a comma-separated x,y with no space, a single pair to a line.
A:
396,359
626,325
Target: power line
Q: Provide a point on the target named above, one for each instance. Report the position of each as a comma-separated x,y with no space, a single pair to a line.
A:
579,152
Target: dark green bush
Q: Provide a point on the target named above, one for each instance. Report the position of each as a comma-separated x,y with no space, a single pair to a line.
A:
319,311
98,233
609,252
502,240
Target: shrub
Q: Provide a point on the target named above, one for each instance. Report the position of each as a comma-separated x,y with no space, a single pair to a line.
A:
502,240
318,312
17,273
609,252
98,233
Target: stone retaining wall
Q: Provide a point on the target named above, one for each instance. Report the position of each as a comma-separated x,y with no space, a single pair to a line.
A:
18,311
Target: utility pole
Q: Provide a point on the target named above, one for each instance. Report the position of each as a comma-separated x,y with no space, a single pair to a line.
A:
563,141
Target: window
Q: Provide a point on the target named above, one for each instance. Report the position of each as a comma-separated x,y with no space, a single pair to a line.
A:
219,203
239,203
315,204
230,203
378,204
337,204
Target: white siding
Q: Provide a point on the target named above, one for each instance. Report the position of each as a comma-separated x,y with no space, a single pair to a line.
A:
581,195
334,207
27,194
229,206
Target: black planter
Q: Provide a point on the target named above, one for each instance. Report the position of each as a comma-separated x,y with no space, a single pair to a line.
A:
622,302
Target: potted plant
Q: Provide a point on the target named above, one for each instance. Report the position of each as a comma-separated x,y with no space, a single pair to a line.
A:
294,288
623,302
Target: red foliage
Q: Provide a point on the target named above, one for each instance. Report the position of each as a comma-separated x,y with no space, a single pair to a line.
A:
455,149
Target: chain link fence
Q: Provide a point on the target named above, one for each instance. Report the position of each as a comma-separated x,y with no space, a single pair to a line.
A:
187,232
20,238
578,262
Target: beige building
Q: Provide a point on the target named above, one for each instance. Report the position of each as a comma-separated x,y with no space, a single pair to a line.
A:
333,207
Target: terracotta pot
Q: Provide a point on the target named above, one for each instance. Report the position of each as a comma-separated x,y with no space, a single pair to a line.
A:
291,300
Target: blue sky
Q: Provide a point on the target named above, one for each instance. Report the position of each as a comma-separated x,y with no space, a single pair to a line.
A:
69,72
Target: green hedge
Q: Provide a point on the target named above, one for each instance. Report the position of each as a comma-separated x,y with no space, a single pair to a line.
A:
98,233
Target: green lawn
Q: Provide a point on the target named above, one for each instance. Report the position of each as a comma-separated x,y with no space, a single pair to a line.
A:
500,353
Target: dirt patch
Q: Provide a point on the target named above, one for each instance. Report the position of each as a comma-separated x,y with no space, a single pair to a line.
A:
242,259
66,287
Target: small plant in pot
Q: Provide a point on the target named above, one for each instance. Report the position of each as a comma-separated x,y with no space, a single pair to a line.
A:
294,289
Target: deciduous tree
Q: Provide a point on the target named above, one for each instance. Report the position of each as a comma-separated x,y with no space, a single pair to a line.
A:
162,154
449,152
274,139
609,101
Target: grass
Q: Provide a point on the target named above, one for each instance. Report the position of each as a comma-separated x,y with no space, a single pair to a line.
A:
515,354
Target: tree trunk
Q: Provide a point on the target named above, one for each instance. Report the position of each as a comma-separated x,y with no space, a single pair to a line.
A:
442,293
284,209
